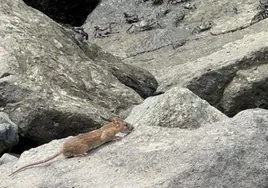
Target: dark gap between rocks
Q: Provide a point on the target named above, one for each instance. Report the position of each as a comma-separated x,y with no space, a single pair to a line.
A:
69,12
24,144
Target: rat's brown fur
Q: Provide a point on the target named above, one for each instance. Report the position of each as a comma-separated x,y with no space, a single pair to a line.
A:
79,145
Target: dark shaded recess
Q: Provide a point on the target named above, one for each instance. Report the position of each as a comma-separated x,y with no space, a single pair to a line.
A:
24,144
70,12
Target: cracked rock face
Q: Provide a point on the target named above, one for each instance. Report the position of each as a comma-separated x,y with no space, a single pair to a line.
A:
208,59
238,81
50,87
248,89
177,108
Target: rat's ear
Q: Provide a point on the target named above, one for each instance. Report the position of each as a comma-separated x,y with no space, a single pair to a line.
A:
115,119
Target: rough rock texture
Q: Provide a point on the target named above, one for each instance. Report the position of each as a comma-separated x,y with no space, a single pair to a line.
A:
231,153
248,89
8,158
48,84
204,62
142,81
9,136
220,71
161,42
177,108
178,140
129,45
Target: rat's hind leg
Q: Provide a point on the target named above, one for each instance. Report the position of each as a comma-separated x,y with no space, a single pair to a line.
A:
76,150
81,155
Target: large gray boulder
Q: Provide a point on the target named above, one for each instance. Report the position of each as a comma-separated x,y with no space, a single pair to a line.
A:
230,153
177,108
50,87
248,89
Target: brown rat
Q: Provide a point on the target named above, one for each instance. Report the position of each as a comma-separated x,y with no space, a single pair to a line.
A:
79,145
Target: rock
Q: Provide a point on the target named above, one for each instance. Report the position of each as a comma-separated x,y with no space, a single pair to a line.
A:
131,45
215,81
248,89
49,85
209,76
7,158
8,133
263,4
142,81
154,47
177,108
206,62
157,51
159,157
8,137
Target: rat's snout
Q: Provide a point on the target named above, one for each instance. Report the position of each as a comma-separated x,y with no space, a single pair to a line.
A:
129,127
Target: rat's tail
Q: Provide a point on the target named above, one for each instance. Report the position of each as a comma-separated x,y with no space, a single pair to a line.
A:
39,162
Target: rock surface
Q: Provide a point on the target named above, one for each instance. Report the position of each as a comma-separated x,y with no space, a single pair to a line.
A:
49,85
231,153
142,81
177,108
9,136
205,62
248,89
220,71
53,86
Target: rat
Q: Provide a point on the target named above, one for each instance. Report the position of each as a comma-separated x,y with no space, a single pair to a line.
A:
82,143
